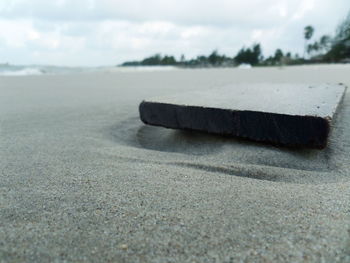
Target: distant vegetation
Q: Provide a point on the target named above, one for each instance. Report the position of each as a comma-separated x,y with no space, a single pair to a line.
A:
328,49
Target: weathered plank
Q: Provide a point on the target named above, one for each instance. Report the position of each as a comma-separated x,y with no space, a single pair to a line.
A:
285,114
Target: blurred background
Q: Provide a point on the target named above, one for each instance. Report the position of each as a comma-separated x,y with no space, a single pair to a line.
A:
169,32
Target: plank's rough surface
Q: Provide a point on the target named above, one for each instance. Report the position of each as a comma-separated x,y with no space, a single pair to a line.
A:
286,114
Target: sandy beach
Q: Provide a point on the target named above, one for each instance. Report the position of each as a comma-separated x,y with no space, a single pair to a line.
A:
84,180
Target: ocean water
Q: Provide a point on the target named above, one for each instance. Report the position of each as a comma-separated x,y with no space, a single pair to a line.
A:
25,70
20,70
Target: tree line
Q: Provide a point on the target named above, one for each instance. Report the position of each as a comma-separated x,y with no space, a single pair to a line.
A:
324,50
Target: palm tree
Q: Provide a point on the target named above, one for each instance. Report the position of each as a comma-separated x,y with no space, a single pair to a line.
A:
325,43
308,33
340,44
313,48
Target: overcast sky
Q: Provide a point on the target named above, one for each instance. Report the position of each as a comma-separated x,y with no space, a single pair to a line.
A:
108,32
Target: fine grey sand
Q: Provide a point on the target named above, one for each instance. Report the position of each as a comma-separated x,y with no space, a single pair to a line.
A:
83,180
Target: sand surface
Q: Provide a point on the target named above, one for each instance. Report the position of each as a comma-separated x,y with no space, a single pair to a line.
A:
82,179
319,100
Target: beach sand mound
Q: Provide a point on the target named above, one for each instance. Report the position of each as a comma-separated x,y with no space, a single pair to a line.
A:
83,179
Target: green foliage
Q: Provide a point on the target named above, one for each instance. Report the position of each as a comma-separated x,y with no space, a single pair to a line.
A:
325,43
308,32
214,58
278,55
131,64
343,31
152,61
250,56
313,47
278,58
325,40
155,60
168,60
340,47
340,51
326,49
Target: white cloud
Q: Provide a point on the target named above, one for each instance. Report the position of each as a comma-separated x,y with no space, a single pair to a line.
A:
304,7
78,32
219,12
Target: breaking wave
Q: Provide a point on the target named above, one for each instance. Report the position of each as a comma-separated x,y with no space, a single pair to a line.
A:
33,70
16,70
22,72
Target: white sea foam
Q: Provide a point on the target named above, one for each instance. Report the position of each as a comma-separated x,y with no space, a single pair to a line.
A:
14,70
245,66
22,72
